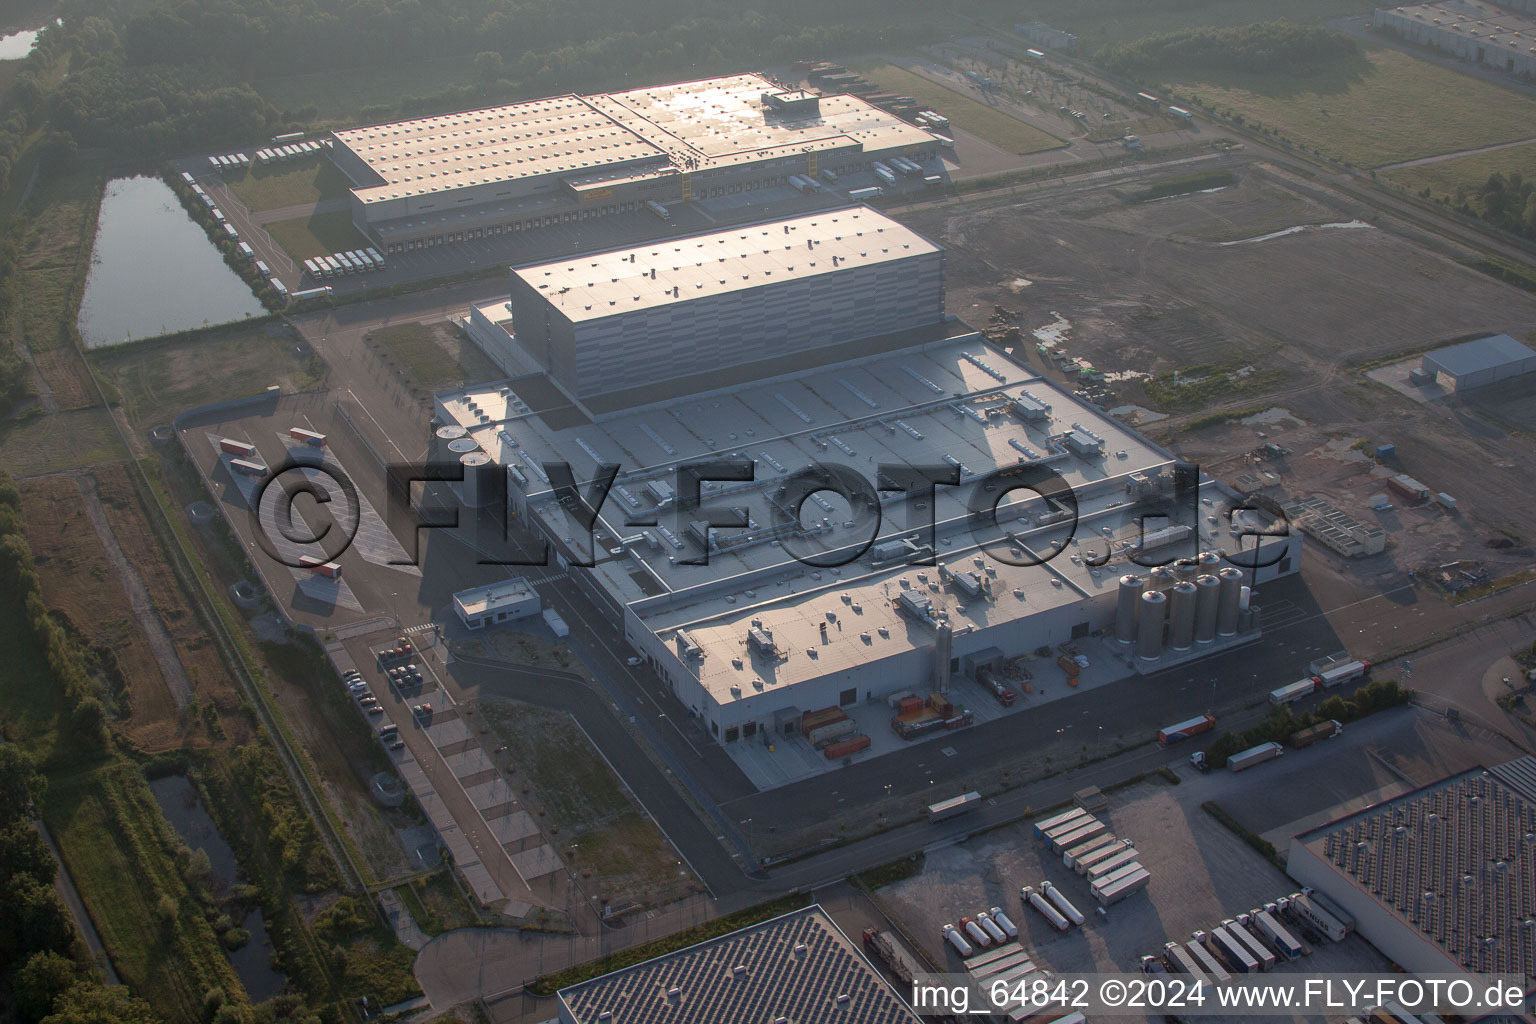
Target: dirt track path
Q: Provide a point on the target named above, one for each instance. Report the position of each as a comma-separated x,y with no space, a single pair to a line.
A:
1437,158
138,597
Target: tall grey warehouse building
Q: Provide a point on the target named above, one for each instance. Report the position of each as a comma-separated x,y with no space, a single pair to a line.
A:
524,166
816,350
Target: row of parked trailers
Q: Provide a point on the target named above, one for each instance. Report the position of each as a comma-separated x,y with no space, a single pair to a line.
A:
1112,866
890,168
356,261
293,151
1258,940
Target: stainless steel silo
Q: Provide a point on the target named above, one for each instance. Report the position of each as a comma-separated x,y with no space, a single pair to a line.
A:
1227,602
1149,627
1209,588
1181,616
1125,608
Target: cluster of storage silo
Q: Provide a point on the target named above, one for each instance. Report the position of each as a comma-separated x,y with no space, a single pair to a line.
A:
1181,606
452,446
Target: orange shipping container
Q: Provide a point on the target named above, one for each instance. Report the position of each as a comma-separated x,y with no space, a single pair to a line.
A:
842,748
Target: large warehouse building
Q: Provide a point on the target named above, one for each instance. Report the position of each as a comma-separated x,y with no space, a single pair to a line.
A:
1474,30
1476,364
1442,879
825,598
635,317
797,969
524,166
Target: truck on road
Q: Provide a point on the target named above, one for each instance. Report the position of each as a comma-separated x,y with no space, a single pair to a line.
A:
1184,730
1338,675
953,806
1254,755
1314,734
1295,691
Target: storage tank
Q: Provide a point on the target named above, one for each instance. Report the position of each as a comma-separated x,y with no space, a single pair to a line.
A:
1181,616
1227,606
1125,608
1210,562
1209,588
1149,630
478,489
1160,578
1253,616
1186,569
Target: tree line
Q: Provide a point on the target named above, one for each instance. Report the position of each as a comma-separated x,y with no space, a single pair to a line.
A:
1506,201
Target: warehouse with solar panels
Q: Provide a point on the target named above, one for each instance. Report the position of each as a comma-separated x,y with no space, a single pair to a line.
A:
1442,879
796,968
526,166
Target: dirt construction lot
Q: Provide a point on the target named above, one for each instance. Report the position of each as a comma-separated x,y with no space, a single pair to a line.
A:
1189,310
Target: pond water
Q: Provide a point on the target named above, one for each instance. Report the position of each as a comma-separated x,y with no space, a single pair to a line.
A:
154,270
183,807
18,44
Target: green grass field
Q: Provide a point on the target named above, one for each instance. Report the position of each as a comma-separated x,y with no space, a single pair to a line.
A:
1119,21
317,235
1445,176
977,118
279,185
431,360
337,94
113,838
1382,107
58,443
156,380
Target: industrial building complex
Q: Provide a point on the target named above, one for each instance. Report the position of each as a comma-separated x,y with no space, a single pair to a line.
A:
522,166
1474,30
848,575
797,967
1442,879
1476,364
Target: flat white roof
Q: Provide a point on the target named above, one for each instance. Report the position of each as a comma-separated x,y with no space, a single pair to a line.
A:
607,138
562,134
620,281
478,601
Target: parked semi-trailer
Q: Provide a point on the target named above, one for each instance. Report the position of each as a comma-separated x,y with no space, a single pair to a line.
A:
1047,911
1092,857
1067,840
1338,675
1004,922
658,209
1071,856
1278,935
263,269
1112,863
1309,909
281,289
954,938
1315,733
1184,730
885,174
1063,904
1295,691
1118,890
1232,952
858,195
248,466
1208,963
242,449
1260,951
1254,755
992,928
953,806
312,293
1066,828
884,947
378,260
1044,825
308,437
320,566
1183,961
976,933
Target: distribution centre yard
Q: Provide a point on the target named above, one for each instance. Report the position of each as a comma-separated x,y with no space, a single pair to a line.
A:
278,185
433,356
1444,177
963,112
1380,107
